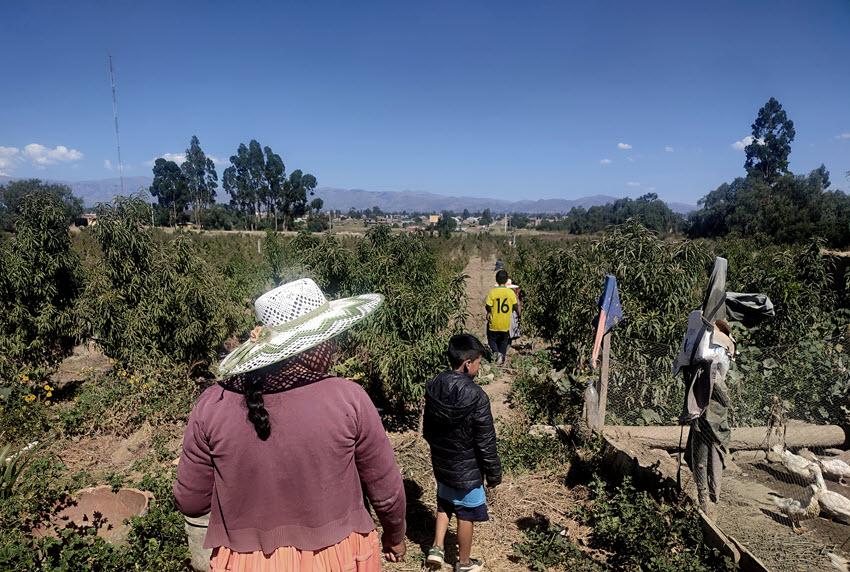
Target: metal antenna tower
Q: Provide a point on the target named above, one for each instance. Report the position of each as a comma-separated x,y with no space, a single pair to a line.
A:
115,113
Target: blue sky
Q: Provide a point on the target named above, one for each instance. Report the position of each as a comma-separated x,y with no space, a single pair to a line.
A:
506,100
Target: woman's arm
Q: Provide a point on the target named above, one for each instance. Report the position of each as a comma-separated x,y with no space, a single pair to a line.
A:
195,479
379,474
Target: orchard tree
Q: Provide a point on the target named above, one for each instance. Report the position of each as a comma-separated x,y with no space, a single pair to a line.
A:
317,204
201,177
170,186
773,133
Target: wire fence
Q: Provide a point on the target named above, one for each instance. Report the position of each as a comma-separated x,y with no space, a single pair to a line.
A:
808,381
785,462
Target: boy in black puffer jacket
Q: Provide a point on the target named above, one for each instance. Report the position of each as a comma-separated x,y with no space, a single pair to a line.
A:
458,426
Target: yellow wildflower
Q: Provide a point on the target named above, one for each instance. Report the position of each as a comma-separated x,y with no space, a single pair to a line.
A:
111,360
25,378
47,402
29,398
49,394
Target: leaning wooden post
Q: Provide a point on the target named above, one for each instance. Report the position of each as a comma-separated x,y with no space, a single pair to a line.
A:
603,378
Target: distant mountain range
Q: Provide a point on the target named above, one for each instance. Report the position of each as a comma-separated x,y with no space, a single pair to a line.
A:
104,190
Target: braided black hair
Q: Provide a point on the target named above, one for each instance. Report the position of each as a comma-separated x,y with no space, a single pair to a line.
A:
311,366
257,413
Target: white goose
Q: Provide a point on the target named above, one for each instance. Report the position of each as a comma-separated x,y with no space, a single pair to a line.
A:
835,506
795,463
835,469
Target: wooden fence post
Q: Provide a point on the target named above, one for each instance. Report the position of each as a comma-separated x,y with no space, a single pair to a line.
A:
603,378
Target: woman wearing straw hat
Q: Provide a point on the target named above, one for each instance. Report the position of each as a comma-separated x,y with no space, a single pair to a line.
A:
280,453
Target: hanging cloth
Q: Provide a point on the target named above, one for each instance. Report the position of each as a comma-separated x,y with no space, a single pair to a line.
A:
610,313
714,304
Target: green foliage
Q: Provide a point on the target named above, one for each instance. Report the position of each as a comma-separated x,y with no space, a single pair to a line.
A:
486,217
445,225
767,153
810,379
24,413
404,344
547,547
642,534
11,468
151,394
151,301
39,284
791,210
652,213
257,179
13,194
156,541
171,187
201,178
521,452
659,282
770,200
547,395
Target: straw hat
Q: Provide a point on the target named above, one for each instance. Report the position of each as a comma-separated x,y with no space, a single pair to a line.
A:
296,317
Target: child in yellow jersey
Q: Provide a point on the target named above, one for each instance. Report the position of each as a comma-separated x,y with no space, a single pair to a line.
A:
501,303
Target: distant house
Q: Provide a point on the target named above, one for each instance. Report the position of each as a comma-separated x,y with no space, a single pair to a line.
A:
412,229
433,219
87,219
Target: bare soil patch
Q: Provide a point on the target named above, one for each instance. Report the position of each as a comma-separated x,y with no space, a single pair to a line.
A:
519,503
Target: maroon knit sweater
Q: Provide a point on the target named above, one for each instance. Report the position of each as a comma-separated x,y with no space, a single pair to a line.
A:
302,486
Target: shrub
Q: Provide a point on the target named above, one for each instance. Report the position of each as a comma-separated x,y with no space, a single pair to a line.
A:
547,547
642,534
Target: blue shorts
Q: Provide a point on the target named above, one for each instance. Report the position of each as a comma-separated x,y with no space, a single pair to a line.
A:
469,514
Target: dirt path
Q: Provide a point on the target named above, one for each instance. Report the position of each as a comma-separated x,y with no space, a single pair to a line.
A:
495,381
518,503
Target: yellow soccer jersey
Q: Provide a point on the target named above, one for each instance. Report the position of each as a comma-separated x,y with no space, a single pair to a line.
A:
501,301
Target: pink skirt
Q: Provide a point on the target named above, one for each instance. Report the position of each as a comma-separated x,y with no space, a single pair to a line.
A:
357,553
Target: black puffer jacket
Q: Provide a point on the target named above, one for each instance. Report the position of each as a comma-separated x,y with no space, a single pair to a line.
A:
458,425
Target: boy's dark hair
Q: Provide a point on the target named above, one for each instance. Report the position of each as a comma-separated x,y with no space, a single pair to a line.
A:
501,276
463,347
